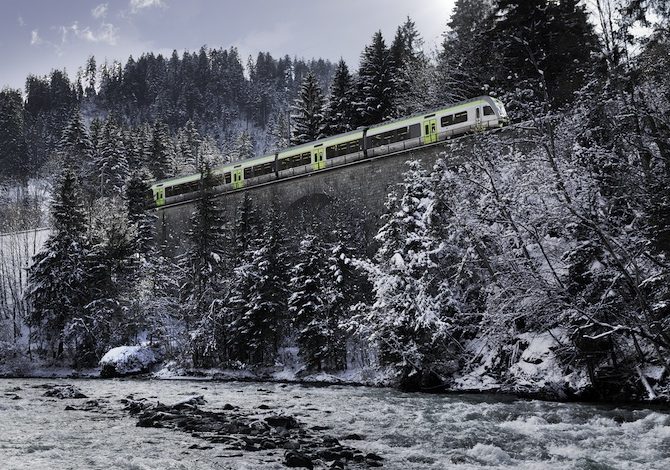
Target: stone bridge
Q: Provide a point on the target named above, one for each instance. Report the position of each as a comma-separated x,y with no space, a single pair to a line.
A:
359,188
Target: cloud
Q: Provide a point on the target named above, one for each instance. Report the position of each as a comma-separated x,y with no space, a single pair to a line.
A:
35,39
137,5
107,33
100,11
21,22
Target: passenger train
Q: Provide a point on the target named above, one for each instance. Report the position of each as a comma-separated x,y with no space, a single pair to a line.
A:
386,138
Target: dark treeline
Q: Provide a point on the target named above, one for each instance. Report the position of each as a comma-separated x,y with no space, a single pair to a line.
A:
568,242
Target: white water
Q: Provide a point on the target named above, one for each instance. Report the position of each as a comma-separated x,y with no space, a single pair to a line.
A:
411,431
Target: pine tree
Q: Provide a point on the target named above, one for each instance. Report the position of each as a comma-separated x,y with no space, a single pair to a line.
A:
407,321
307,116
189,142
75,145
464,61
57,277
411,71
244,147
375,87
307,305
108,319
13,151
258,300
111,166
202,263
340,113
545,42
137,199
160,157
278,131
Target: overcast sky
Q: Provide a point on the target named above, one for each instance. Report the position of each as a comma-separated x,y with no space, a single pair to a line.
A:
38,36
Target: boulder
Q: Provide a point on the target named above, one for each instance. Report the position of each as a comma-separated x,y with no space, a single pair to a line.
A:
127,360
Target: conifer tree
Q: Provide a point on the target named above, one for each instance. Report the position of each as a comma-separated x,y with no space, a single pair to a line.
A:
340,113
189,146
411,72
307,305
137,196
375,87
57,277
544,42
160,158
258,302
13,151
244,147
278,131
407,320
464,61
109,318
307,116
202,261
111,165
75,146
201,270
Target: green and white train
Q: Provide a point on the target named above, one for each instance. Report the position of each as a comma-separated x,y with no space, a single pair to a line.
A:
386,138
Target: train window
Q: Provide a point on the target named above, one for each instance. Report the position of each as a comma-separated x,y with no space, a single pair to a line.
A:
460,117
248,172
488,111
226,177
447,120
293,161
265,169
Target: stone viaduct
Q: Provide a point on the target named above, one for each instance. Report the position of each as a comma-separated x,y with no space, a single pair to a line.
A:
360,188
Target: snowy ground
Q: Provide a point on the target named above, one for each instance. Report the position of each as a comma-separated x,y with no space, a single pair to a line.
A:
411,431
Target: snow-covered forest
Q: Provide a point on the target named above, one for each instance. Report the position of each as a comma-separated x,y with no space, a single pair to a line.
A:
542,271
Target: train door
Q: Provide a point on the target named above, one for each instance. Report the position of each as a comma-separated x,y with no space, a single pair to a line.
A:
429,131
478,118
238,178
318,159
159,196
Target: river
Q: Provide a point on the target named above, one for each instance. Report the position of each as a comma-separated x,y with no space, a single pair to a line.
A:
411,431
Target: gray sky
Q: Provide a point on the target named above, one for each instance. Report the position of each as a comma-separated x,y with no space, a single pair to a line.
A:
38,36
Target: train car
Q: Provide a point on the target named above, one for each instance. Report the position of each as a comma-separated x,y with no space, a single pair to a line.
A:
389,137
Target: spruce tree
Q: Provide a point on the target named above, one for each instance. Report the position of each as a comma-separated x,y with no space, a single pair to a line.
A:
374,102
57,278
307,305
407,319
545,42
464,62
75,145
137,196
307,116
411,71
111,166
13,151
202,264
340,113
244,147
160,157
259,300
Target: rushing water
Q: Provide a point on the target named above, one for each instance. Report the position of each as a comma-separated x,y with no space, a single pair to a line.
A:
411,431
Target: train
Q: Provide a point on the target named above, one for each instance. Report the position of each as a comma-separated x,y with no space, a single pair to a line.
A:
427,128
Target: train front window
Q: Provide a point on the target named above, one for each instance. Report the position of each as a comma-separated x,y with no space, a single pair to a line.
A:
488,111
